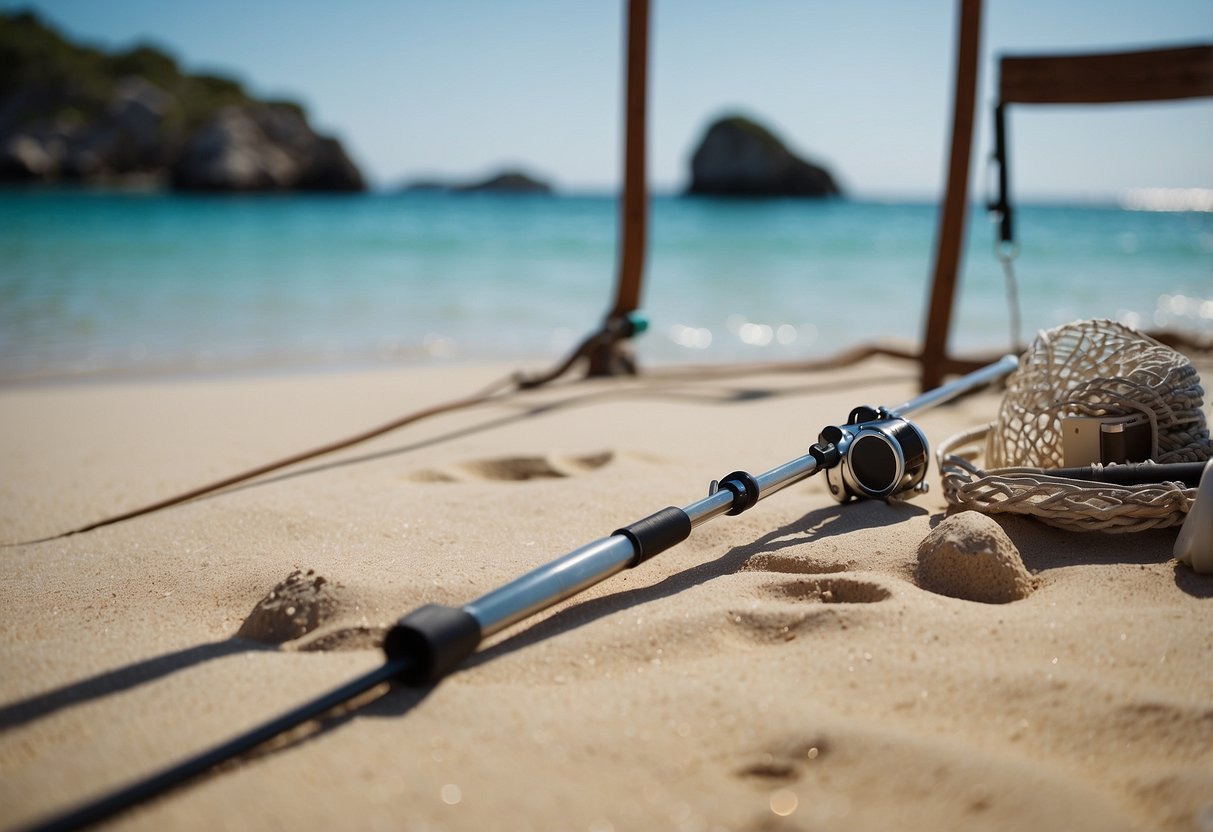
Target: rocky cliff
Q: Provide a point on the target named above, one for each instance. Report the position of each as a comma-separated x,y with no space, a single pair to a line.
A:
738,157
74,113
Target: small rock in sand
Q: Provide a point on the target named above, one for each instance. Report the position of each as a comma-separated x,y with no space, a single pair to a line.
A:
969,556
294,608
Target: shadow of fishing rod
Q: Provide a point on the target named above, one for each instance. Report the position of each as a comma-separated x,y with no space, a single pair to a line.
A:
384,699
815,525
120,679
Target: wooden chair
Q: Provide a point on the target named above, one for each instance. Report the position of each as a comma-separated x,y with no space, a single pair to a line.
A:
1148,75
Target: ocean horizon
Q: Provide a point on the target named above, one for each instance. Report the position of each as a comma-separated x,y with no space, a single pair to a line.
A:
102,282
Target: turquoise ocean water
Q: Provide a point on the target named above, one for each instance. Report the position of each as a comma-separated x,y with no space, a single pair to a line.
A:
95,282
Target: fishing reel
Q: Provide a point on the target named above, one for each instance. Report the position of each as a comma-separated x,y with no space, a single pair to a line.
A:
882,456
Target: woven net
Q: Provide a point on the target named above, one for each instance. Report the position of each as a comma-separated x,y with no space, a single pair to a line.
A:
1086,368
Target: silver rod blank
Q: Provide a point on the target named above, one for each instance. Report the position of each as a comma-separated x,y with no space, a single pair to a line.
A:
949,391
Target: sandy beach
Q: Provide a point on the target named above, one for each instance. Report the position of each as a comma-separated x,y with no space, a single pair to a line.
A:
782,669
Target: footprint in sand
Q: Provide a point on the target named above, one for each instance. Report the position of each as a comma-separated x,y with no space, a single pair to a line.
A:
828,591
816,605
516,468
793,564
785,763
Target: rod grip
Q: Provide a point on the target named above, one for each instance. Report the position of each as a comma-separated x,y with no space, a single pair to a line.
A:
435,639
656,533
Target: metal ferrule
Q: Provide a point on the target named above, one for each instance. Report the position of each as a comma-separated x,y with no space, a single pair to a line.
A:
551,583
720,502
787,474
713,505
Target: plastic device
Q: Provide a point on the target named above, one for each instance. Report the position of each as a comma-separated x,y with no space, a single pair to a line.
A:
1194,546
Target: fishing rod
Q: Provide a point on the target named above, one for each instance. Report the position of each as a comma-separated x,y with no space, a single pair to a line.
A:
877,454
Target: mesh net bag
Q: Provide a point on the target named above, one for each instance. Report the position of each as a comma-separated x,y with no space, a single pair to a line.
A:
1086,368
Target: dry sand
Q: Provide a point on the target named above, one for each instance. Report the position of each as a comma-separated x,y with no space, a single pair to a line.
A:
780,670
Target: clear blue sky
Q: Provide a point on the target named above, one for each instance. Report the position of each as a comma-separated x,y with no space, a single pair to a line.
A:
463,88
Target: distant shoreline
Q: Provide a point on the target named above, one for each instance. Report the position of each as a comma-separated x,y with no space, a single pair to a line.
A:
1184,200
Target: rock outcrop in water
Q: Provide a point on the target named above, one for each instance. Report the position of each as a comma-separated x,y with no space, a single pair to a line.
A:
77,114
510,182
505,182
739,157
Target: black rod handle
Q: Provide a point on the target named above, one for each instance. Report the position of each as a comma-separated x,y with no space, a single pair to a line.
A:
1134,473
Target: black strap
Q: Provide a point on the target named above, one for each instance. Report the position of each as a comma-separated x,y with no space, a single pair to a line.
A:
1001,203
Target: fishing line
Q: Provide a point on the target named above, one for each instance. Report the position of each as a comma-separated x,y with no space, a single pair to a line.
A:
1006,256
877,453
499,390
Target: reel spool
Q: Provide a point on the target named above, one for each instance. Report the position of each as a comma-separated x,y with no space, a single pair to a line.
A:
883,456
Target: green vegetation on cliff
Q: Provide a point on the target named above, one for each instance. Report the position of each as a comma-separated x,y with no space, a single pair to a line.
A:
76,83
71,112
